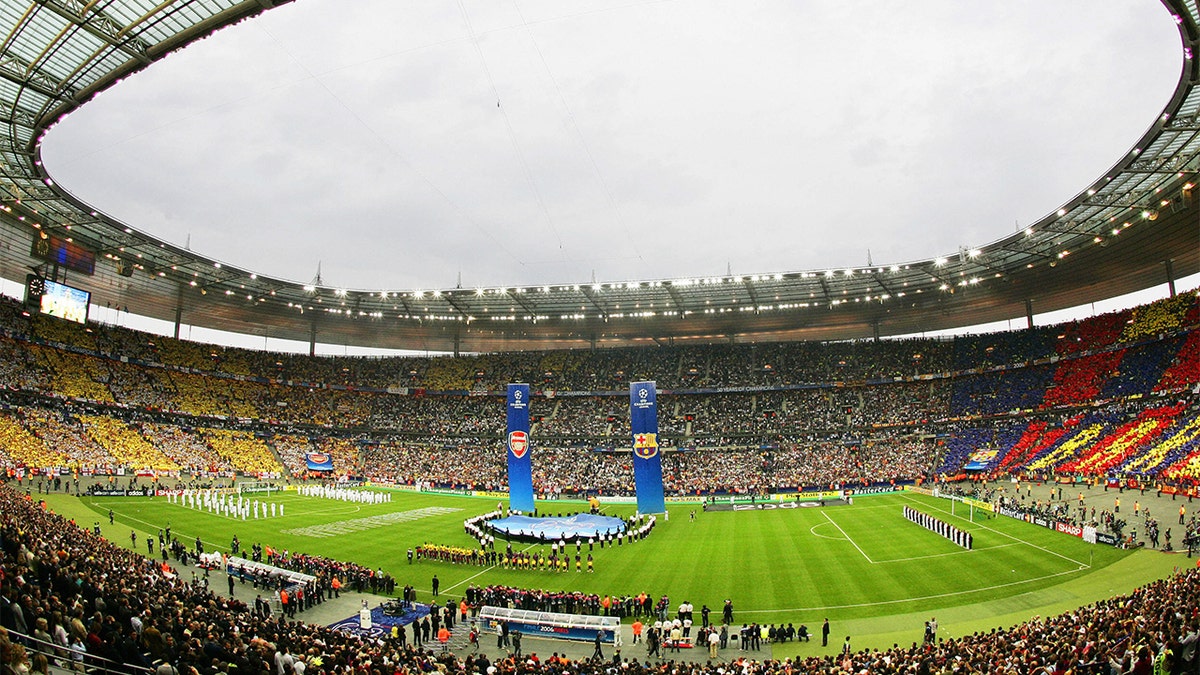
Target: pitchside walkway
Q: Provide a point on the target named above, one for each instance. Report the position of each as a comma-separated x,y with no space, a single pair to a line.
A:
1135,504
337,609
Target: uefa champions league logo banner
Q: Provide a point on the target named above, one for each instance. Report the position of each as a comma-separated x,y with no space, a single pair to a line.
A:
647,462
520,465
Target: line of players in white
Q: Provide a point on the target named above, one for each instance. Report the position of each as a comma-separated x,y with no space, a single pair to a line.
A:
345,494
963,539
226,504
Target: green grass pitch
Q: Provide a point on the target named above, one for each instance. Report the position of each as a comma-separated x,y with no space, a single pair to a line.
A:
864,566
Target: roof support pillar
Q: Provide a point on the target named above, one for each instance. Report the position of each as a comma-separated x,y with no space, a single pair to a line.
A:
178,310
1029,313
312,338
1170,265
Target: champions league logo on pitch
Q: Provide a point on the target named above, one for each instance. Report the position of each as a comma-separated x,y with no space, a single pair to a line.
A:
645,445
518,443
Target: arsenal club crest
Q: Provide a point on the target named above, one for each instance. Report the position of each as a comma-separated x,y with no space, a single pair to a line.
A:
518,443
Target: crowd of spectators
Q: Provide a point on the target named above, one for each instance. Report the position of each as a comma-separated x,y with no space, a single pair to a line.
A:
1126,440
1158,318
348,575
1093,333
244,451
90,599
570,602
1183,370
125,445
747,365
188,450
1036,446
1141,437
170,404
1079,380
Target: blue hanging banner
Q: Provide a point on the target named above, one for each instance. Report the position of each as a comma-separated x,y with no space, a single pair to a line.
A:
520,466
647,462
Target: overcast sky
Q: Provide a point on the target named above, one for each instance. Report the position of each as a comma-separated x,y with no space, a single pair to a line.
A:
401,144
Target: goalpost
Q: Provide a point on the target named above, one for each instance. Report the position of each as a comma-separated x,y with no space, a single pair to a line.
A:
256,487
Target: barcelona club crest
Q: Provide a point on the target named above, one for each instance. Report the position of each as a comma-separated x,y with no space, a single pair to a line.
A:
518,443
645,445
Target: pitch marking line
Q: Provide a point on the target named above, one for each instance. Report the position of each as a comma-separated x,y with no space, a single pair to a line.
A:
943,555
813,531
483,572
844,537
903,600
852,543
153,526
1005,534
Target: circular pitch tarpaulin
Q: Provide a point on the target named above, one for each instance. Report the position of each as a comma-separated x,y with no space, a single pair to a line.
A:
582,526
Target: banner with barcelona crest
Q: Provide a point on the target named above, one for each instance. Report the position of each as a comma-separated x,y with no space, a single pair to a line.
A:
520,464
980,459
647,462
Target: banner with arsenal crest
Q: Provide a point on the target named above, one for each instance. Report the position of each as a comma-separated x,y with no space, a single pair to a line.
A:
318,461
520,466
647,462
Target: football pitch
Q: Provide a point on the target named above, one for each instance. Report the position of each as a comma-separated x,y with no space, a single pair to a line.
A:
864,566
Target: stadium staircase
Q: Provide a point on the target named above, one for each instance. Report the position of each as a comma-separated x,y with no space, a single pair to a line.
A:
460,637
287,472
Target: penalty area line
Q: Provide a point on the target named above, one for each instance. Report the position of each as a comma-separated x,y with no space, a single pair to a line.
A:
981,526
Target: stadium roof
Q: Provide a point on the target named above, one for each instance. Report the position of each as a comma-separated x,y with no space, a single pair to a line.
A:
1136,226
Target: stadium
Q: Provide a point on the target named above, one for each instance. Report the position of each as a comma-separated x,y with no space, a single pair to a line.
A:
817,467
